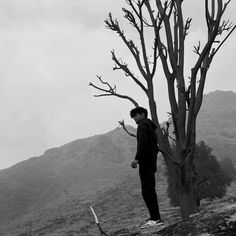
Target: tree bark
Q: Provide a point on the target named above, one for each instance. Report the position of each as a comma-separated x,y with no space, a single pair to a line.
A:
187,190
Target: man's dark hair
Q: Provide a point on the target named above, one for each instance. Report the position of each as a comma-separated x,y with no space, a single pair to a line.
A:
138,110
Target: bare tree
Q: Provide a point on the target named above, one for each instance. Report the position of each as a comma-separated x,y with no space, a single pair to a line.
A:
169,29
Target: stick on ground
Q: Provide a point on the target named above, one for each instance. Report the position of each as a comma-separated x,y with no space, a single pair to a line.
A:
97,222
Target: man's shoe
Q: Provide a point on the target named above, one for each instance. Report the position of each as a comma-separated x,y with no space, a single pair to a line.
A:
151,223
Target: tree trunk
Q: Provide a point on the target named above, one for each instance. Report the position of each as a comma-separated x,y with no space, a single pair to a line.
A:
187,191
186,177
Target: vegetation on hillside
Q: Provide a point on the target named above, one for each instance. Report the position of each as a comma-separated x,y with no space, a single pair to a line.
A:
228,168
212,180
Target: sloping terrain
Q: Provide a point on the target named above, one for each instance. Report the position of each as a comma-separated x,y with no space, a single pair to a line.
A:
71,215
216,217
51,194
49,184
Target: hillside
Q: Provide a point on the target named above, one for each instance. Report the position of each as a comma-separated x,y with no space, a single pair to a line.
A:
216,123
62,176
51,194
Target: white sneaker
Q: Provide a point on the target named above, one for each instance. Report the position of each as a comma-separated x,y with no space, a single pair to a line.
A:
151,223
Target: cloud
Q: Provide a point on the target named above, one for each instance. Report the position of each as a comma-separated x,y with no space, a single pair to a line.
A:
32,14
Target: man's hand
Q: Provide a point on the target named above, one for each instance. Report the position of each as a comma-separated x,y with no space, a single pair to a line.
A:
134,163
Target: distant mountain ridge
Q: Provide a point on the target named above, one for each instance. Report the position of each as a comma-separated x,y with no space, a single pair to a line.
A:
52,189
216,123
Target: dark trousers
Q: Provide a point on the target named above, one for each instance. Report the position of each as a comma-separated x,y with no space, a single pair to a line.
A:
147,177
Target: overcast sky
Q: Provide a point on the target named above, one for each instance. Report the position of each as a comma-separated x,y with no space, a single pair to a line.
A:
49,52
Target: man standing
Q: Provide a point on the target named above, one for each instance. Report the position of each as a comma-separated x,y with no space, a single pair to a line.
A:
146,157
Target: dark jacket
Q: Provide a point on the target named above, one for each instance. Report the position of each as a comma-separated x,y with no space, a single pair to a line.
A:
147,148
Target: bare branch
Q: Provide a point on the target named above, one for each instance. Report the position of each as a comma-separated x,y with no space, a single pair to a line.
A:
187,27
171,5
139,4
155,57
130,2
225,26
106,83
176,38
122,123
225,6
143,44
164,52
114,26
158,45
111,92
223,41
197,49
124,67
162,9
102,95
207,14
206,57
213,26
130,17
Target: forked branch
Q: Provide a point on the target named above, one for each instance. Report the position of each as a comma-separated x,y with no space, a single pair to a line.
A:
123,66
114,26
111,91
